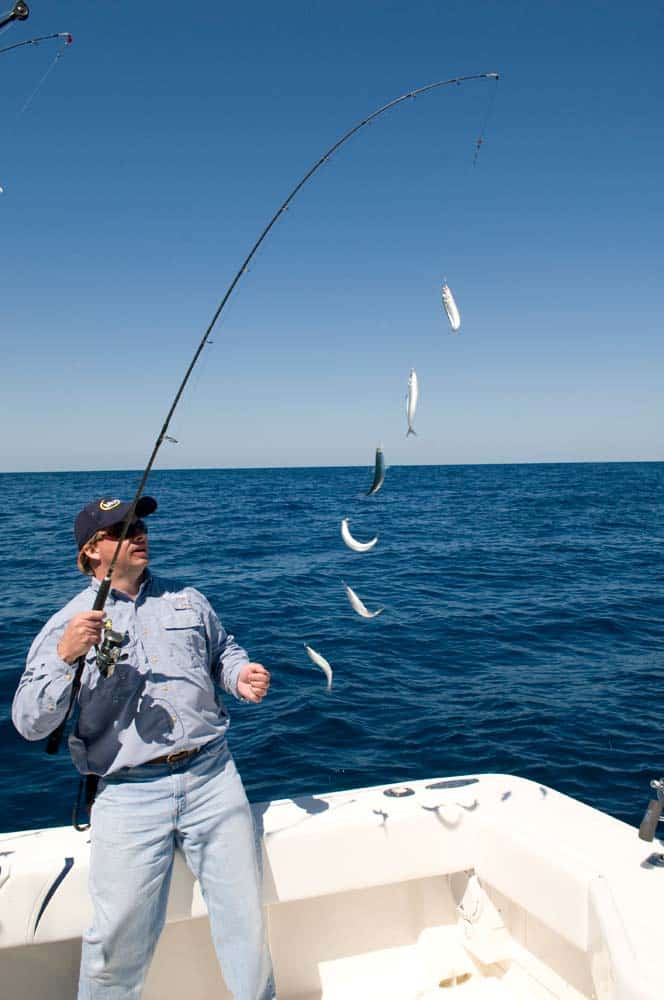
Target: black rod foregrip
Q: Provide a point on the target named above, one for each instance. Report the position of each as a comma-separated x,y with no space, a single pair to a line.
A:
54,741
102,593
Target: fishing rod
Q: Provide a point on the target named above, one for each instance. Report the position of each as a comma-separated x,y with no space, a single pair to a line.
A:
54,740
19,12
36,41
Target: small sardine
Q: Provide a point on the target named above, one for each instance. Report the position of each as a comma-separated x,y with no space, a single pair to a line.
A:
411,401
450,308
321,662
357,604
379,473
353,543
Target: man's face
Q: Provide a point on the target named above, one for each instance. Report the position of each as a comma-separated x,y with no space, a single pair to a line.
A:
134,553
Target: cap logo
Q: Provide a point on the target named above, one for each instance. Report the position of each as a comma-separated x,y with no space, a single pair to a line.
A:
109,504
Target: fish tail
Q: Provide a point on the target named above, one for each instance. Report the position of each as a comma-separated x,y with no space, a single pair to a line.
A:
411,431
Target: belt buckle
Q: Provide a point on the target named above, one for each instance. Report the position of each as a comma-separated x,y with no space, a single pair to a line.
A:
173,758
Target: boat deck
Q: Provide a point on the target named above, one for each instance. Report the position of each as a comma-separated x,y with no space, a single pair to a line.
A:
409,973
486,886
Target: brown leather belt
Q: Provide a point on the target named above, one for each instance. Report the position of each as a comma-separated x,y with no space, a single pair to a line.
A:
174,758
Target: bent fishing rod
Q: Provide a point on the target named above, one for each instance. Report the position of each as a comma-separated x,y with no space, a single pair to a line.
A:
35,41
54,740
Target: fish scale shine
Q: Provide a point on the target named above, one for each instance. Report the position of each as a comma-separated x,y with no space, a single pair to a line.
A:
379,472
450,307
411,401
353,543
358,606
321,662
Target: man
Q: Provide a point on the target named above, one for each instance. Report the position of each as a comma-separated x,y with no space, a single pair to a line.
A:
152,725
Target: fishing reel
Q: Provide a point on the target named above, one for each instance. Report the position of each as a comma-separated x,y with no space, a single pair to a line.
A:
108,652
653,814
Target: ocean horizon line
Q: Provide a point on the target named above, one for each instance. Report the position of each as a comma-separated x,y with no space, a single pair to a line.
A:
363,465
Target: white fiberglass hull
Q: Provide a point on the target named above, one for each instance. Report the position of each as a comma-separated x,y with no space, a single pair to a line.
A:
490,885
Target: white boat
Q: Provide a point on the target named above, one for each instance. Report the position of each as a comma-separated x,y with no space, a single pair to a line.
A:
489,886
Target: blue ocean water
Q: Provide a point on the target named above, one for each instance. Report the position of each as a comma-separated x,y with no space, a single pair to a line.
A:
523,630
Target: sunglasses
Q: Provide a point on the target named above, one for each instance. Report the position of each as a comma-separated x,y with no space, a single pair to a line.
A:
137,527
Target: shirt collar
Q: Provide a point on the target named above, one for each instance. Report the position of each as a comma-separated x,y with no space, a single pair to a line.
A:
118,594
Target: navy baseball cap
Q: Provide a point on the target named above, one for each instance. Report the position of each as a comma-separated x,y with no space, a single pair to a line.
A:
104,512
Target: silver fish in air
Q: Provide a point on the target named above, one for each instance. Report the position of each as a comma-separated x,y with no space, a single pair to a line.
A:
450,308
357,604
379,473
411,401
321,662
353,543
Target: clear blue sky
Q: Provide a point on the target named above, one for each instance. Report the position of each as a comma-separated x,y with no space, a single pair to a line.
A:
163,141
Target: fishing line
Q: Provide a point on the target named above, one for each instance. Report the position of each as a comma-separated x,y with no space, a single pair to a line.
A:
489,111
57,57
479,142
54,740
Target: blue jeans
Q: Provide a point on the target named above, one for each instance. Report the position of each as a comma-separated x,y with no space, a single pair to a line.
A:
139,817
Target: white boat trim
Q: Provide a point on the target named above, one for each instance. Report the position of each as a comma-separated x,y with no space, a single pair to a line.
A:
362,890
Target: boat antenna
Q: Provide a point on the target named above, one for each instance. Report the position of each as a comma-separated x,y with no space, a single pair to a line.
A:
54,740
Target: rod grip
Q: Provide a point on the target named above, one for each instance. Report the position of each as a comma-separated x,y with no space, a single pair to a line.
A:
651,819
102,594
54,740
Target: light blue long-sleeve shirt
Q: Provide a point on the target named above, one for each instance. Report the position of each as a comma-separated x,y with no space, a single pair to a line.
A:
164,694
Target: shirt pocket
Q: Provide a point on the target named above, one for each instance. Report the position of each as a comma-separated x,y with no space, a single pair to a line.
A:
185,636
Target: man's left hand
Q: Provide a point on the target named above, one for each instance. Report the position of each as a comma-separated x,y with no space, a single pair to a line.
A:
253,682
